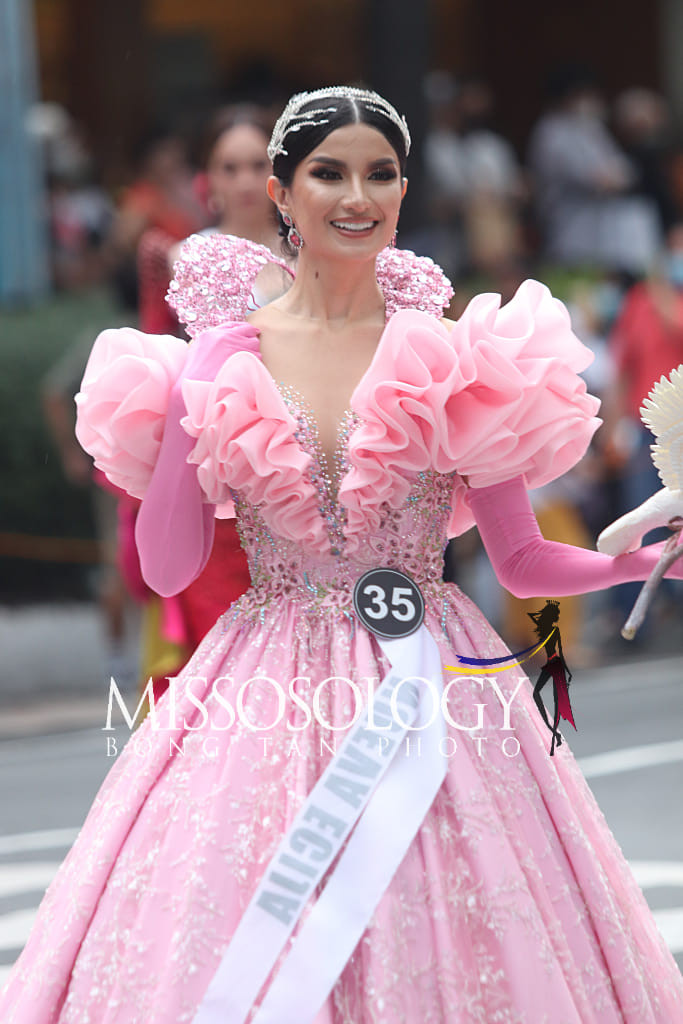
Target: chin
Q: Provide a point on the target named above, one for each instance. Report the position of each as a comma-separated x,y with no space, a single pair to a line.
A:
360,248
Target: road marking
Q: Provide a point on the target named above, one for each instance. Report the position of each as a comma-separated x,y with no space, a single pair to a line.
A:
652,873
15,928
29,877
631,758
670,924
47,839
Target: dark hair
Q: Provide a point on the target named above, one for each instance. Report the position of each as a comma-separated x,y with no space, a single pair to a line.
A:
227,118
147,145
567,80
347,111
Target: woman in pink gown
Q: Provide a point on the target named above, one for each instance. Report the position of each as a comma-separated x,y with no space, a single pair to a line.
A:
511,902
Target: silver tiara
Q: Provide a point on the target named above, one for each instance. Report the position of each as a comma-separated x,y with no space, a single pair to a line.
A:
290,120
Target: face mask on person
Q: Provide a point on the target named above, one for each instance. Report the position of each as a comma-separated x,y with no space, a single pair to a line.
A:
608,298
673,267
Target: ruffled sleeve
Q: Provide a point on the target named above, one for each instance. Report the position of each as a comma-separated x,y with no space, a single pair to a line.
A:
121,406
496,397
246,441
129,413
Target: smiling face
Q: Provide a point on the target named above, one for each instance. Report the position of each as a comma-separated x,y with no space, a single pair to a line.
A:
345,195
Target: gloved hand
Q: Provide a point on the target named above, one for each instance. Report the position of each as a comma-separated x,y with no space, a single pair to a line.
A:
626,533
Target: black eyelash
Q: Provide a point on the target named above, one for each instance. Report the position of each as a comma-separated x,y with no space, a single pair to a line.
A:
326,173
329,174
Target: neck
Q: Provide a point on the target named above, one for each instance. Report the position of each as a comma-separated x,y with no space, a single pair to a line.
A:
333,292
261,231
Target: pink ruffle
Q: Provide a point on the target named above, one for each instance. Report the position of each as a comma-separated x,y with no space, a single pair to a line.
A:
498,396
246,442
121,407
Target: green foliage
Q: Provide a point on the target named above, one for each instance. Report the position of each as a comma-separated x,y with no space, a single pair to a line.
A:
35,497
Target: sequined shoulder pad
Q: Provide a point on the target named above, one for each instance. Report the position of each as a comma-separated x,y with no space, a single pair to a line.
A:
213,279
412,282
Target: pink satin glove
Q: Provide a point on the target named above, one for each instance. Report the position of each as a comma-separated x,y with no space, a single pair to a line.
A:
529,566
175,526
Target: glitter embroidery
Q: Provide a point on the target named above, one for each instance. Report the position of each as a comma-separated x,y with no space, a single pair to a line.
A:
214,279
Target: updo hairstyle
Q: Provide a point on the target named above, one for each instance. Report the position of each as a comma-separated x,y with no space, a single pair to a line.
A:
348,110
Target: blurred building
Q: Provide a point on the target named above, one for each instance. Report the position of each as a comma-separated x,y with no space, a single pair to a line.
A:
114,66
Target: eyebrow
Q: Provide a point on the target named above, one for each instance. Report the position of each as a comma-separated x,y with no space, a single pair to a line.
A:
385,161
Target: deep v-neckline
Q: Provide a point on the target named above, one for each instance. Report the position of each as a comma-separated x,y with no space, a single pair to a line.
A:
292,387
289,394
327,473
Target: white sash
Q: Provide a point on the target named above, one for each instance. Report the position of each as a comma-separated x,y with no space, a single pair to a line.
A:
383,790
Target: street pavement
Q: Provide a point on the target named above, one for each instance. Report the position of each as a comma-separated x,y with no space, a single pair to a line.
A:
58,650
629,744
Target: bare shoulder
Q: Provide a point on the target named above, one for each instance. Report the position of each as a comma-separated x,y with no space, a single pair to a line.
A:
448,324
263,318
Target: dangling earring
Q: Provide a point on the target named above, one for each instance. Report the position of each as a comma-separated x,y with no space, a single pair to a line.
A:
392,243
293,236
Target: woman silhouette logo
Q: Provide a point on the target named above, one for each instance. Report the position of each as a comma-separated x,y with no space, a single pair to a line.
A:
546,625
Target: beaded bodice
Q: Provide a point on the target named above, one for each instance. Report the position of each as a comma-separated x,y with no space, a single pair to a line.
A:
411,538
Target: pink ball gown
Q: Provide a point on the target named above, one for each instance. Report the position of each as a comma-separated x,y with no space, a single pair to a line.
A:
513,902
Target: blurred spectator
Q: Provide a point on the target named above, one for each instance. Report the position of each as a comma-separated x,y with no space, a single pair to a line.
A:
582,181
80,218
646,343
494,185
161,199
474,180
237,172
58,388
80,211
593,307
675,174
445,174
641,122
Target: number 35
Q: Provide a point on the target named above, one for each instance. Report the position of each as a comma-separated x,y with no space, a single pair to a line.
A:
402,607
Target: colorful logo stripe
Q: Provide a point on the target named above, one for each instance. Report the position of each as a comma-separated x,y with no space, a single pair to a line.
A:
492,665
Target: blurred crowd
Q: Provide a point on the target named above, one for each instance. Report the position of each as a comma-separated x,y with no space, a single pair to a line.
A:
593,205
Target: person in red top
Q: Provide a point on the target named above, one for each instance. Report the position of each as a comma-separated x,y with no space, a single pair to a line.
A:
646,343
162,196
155,212
647,339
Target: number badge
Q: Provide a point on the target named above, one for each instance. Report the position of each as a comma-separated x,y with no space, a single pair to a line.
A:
388,603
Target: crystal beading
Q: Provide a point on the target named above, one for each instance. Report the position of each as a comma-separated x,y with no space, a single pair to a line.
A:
307,118
214,278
